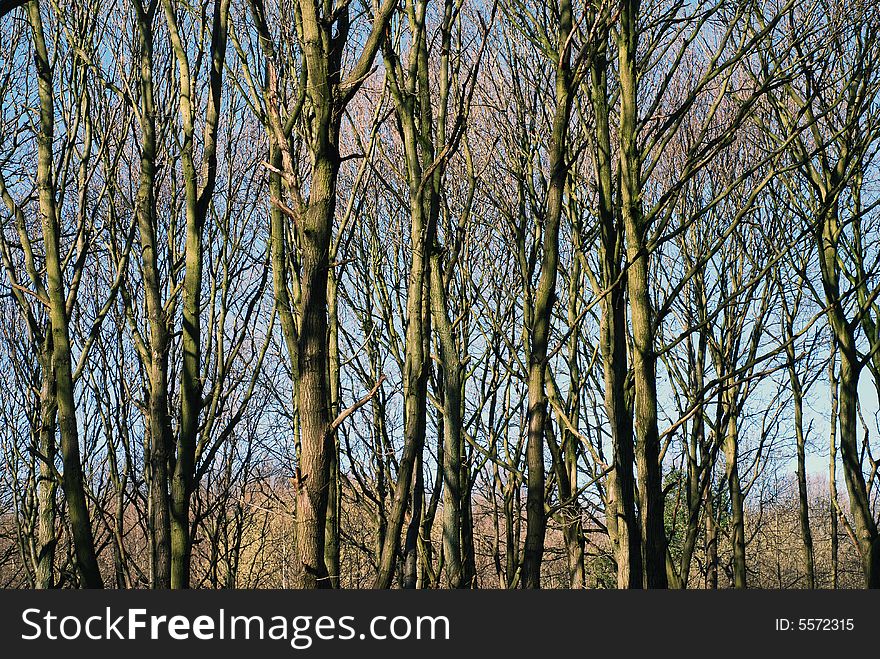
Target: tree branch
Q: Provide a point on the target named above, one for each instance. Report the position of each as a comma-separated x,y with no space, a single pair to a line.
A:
354,408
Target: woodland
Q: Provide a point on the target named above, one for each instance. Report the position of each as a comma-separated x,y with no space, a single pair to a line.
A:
439,294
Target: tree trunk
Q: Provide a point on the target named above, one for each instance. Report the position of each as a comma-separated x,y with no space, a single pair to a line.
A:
46,490
72,480
415,131
711,543
314,395
864,525
156,360
832,465
198,200
612,333
334,500
452,448
644,359
545,299
803,497
860,507
737,511
411,544
468,550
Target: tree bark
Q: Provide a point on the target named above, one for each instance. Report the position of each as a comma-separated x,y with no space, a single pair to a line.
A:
73,479
198,200
613,339
47,486
803,496
452,448
864,523
544,302
832,465
156,360
737,500
644,359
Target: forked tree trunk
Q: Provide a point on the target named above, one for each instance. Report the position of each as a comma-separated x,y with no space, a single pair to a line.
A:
415,122
198,200
613,340
864,524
